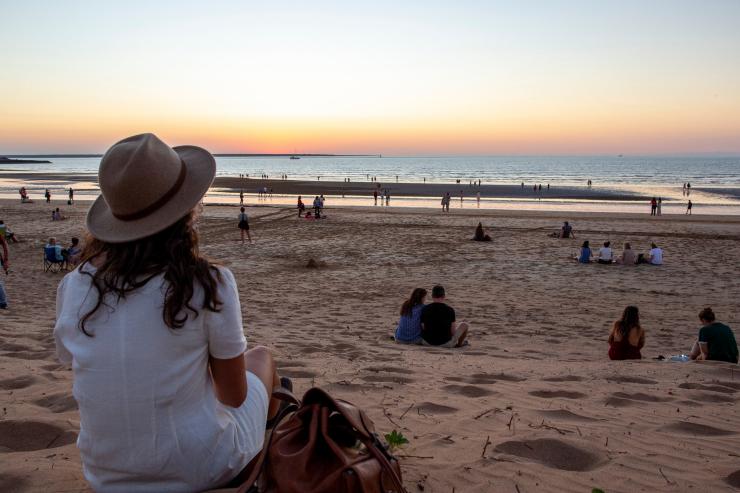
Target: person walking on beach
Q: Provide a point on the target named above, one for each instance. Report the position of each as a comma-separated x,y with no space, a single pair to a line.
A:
5,266
241,197
387,197
438,324
688,207
653,206
71,196
375,197
688,189
477,198
301,206
317,207
660,206
193,407
244,225
683,191
47,194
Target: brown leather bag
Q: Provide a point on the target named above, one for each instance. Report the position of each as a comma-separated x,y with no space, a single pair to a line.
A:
326,445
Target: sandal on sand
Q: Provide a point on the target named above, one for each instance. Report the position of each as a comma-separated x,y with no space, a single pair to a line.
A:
287,384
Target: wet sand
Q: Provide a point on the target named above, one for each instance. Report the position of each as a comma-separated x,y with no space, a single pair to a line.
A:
532,405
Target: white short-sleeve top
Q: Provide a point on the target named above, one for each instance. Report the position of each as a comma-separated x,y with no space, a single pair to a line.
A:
149,417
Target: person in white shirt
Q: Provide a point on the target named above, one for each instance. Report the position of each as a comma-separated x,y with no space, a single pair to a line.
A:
655,257
169,398
605,254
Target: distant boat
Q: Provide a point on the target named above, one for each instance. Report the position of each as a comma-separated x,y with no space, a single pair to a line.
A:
294,157
620,156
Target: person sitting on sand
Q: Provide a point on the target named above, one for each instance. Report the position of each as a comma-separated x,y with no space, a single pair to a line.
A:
24,196
408,330
567,231
6,234
438,326
606,255
627,336
628,256
585,255
169,399
716,340
73,253
56,215
480,235
655,256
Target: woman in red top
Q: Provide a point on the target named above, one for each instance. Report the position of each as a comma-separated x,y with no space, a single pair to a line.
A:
627,336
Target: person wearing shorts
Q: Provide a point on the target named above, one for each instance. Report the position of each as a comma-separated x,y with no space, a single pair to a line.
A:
244,225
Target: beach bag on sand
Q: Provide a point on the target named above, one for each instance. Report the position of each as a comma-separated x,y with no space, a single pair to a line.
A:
323,445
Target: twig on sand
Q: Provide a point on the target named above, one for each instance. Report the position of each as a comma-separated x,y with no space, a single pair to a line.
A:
407,410
606,444
511,425
517,488
664,476
485,446
548,427
404,456
486,412
388,416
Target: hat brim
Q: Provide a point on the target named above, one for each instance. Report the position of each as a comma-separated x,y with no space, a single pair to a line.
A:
201,169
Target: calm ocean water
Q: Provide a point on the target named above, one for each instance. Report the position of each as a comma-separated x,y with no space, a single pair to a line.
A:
603,170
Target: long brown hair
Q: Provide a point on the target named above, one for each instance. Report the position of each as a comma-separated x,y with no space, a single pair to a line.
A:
417,298
121,268
630,319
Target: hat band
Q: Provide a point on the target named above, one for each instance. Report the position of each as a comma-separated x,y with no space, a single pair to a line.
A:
159,202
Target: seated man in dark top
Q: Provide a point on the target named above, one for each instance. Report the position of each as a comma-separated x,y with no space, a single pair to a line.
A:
438,326
566,231
716,340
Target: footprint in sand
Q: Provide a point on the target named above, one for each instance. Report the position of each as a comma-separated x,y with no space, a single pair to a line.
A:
734,479
291,373
25,436
57,403
623,399
711,397
564,415
554,453
696,429
487,378
552,394
564,378
387,379
637,380
433,408
17,383
709,388
389,369
467,390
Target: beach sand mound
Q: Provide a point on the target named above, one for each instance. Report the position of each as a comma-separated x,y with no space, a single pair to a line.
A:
557,454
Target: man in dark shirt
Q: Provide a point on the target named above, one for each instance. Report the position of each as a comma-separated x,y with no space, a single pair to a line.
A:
567,231
716,340
438,326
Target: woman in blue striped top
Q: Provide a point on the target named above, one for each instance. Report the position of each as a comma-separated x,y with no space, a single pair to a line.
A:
409,325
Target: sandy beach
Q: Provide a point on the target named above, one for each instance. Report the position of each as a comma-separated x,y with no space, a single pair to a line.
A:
531,405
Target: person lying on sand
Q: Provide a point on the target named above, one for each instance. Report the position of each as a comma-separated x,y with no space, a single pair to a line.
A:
627,336
628,256
480,235
585,254
408,330
716,340
438,327
606,255
169,398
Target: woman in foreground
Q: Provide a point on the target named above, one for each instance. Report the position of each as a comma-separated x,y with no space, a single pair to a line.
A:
169,400
627,336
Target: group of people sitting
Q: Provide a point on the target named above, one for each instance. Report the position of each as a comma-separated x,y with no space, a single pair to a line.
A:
628,257
56,215
432,324
716,341
68,257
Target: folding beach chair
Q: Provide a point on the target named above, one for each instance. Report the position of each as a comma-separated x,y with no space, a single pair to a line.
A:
51,262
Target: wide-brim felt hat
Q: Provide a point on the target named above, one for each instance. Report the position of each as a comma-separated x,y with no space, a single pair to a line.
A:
147,186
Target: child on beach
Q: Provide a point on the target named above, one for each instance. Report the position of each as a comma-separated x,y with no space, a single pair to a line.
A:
585,255
408,330
169,398
627,336
244,225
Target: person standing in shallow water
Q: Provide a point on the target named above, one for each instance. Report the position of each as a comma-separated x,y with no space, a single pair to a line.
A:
153,332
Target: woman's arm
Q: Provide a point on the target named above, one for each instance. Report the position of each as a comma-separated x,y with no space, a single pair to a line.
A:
229,380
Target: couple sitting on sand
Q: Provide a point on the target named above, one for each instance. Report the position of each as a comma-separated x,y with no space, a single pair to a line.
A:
430,325
716,341
628,257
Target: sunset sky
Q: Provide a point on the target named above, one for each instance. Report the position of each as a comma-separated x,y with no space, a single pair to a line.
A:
410,78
